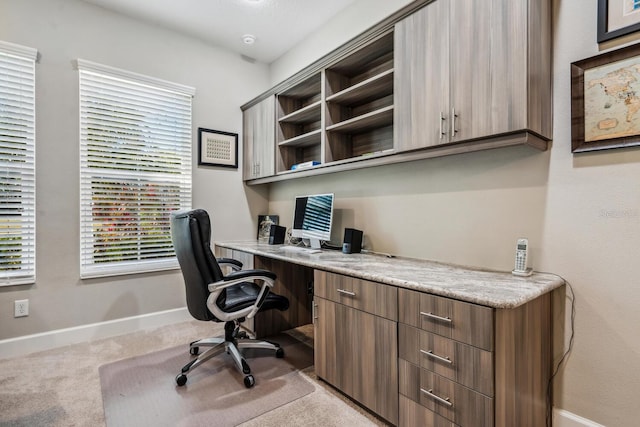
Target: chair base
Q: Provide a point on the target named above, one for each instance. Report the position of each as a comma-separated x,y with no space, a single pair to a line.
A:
230,344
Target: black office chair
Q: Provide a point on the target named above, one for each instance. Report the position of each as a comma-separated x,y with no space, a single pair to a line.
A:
212,296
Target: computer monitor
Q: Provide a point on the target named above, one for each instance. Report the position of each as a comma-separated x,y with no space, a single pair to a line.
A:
312,219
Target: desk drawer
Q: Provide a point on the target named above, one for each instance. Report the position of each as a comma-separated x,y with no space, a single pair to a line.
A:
371,297
446,398
465,322
413,414
462,363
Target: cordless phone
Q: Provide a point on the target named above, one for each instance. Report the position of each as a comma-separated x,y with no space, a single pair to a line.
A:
521,264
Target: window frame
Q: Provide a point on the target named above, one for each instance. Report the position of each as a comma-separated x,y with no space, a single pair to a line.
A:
139,180
20,61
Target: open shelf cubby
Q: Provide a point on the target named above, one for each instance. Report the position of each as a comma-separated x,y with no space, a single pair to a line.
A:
359,102
299,123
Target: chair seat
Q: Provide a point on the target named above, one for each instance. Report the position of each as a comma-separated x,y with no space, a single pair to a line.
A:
244,295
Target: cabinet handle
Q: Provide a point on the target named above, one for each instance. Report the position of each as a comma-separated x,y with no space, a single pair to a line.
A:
453,123
315,311
433,316
431,354
444,400
442,132
342,291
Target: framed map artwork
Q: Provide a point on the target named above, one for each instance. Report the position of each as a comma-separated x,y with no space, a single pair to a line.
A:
617,18
605,101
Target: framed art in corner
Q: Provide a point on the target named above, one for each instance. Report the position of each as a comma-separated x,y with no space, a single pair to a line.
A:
264,226
605,101
617,18
217,148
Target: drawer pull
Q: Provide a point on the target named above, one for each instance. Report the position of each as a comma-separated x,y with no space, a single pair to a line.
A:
342,291
430,353
444,400
433,316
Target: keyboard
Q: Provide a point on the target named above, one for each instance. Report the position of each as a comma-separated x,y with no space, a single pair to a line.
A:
301,250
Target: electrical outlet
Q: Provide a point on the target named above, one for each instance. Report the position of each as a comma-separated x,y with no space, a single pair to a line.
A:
21,308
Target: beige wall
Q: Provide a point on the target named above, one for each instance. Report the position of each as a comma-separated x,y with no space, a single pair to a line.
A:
64,30
581,214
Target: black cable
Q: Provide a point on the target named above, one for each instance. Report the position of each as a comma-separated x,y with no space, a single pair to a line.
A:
326,244
566,353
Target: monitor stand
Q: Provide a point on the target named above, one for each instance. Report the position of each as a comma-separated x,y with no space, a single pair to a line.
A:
313,243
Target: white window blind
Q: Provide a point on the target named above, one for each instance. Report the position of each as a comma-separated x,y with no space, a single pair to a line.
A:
135,169
17,164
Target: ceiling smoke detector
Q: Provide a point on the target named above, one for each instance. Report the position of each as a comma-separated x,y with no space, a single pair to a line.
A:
248,39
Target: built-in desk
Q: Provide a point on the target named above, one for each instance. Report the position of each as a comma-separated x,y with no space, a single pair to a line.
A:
419,342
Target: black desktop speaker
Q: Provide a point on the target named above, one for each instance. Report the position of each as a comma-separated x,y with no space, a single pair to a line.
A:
352,243
276,234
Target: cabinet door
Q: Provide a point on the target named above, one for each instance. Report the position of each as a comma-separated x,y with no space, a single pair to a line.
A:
488,67
357,352
325,341
421,78
259,139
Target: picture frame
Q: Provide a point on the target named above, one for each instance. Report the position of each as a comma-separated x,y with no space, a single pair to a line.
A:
617,18
605,101
264,226
217,148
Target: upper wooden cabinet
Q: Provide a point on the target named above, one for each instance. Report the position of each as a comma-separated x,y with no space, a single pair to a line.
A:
472,69
436,78
258,138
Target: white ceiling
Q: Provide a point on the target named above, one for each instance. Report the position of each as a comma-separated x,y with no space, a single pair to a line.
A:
276,24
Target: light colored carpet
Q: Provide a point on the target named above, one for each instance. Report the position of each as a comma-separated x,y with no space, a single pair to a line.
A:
140,391
61,387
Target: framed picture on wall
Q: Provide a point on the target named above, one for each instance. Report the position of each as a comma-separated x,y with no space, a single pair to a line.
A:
617,18
217,148
605,101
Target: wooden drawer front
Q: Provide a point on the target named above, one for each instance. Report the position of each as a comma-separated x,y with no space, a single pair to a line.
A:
413,414
461,321
449,399
462,363
372,297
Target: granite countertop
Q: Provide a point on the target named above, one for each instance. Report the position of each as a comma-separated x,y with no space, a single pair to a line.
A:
490,288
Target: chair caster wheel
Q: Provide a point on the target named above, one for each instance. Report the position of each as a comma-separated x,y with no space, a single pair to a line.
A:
249,381
181,380
280,353
194,351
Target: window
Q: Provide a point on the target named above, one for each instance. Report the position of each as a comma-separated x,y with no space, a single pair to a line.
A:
135,169
17,165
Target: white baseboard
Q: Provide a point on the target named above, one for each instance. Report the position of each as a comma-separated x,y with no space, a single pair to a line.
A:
562,418
20,346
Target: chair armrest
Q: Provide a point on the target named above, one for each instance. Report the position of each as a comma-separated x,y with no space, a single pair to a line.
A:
265,276
246,273
243,276
230,262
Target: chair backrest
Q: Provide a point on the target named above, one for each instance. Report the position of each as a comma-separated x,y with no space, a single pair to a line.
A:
191,236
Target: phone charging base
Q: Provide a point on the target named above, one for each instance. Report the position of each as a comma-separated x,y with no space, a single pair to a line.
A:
526,273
